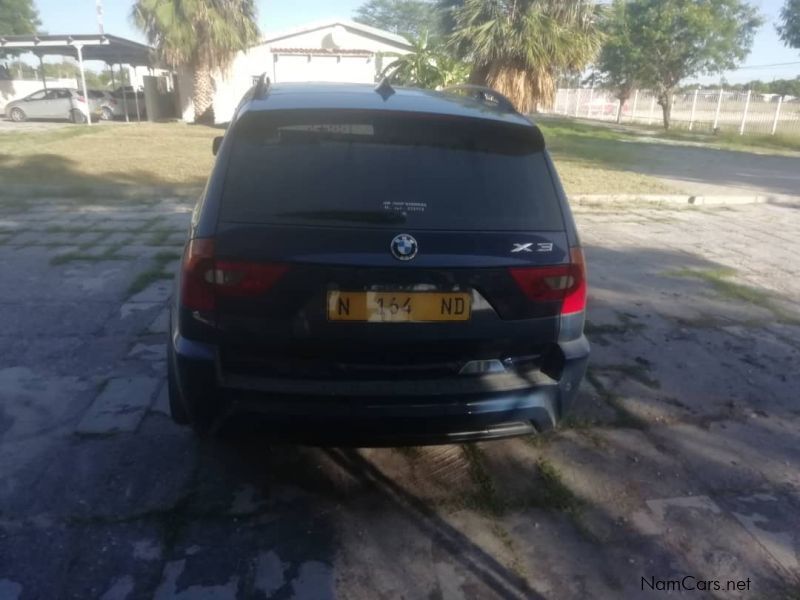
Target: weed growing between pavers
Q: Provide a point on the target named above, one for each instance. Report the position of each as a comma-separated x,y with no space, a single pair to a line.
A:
638,372
109,254
485,498
625,418
102,235
552,493
501,533
154,273
719,280
159,237
148,225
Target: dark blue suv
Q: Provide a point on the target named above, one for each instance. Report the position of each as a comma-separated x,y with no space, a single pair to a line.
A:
370,264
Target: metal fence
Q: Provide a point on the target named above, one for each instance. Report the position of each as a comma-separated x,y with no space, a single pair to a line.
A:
697,110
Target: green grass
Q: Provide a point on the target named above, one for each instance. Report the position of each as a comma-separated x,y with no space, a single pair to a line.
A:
84,162
109,254
485,498
551,492
77,160
720,282
637,372
631,133
605,158
732,140
597,160
624,417
154,273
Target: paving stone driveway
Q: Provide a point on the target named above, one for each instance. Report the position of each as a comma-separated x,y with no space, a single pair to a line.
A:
684,459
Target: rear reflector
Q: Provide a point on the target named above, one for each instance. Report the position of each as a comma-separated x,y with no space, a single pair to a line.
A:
565,283
204,278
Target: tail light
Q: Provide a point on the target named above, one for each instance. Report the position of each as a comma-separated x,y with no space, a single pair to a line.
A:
204,279
564,283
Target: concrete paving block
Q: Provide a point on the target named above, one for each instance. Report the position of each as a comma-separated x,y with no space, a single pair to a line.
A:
160,323
12,225
130,308
117,237
177,239
161,405
88,237
148,352
168,589
158,291
27,237
119,407
171,267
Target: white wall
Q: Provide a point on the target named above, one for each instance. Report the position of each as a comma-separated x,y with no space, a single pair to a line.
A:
11,89
322,65
354,69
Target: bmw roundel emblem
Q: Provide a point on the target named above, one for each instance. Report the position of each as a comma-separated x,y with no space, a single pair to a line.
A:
404,247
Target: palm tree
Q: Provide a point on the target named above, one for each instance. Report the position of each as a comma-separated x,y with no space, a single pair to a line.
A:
518,47
426,66
201,34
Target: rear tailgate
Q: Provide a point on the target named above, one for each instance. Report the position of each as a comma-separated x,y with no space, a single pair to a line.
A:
317,198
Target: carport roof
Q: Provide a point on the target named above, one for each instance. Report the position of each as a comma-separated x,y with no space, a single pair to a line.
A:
108,48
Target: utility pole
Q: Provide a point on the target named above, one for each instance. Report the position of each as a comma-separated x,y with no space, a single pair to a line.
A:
99,5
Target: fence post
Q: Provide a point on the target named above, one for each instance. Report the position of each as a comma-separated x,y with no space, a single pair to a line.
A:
652,110
744,112
577,99
633,108
777,114
694,105
589,105
619,110
719,105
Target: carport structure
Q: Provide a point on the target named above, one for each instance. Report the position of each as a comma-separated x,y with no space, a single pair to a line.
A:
107,48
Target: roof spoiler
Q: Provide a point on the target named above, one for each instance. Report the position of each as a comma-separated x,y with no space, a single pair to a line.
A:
482,94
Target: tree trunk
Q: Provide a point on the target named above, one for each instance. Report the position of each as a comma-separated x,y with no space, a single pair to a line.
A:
665,100
203,94
622,101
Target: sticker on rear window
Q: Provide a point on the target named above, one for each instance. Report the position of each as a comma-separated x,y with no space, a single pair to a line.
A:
405,207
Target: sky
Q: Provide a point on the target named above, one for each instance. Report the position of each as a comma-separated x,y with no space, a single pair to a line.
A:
78,16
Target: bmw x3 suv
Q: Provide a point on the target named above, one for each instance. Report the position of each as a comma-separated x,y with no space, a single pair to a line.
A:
379,264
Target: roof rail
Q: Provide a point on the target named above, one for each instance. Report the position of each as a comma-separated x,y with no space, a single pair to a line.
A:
262,87
483,94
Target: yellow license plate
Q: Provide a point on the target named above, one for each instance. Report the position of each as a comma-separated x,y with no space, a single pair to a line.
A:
398,307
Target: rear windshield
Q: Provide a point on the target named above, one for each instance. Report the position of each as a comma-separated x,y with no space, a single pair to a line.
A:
423,172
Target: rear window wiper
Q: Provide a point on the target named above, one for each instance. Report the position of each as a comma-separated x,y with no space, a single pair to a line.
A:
359,216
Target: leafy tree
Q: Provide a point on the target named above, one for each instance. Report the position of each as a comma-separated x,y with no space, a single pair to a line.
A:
678,39
201,34
18,17
789,28
782,87
519,46
620,62
411,18
427,66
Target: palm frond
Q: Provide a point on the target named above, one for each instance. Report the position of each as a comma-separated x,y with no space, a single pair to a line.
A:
520,46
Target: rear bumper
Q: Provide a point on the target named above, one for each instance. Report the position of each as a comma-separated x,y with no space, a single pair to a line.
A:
320,411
